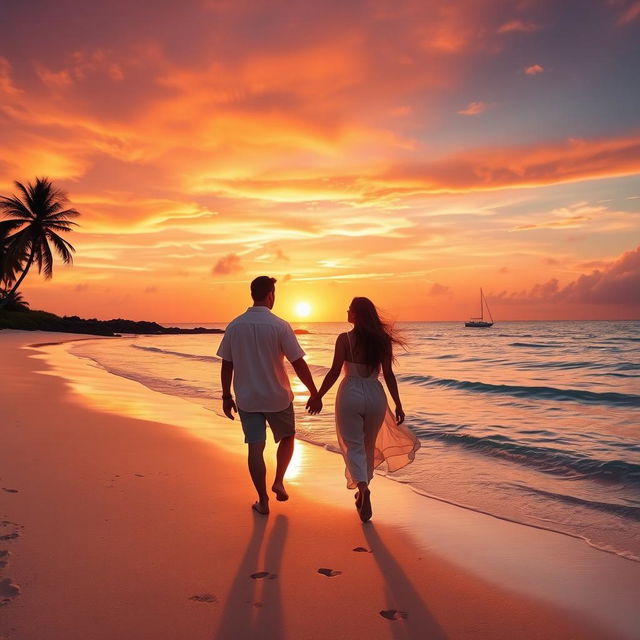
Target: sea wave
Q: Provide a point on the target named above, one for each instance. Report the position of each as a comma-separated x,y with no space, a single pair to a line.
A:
563,364
179,354
626,511
537,345
545,459
524,391
176,386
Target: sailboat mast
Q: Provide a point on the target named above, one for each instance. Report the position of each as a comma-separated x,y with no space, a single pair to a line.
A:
481,310
489,310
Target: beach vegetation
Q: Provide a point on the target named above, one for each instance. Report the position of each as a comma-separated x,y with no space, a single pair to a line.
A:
15,302
33,222
24,319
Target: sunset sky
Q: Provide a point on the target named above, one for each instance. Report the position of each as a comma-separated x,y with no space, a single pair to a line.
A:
408,151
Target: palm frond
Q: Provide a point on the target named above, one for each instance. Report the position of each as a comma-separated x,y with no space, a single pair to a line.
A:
19,243
46,260
59,227
14,207
64,249
29,197
64,215
25,191
7,226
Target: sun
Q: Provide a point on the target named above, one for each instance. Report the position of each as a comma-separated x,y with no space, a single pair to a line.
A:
302,309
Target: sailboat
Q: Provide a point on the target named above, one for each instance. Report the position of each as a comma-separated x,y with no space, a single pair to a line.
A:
481,322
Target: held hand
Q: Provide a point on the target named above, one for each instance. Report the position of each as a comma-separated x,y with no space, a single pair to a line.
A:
399,415
314,405
228,405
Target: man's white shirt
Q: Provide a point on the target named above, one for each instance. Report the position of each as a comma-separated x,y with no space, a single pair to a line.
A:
257,343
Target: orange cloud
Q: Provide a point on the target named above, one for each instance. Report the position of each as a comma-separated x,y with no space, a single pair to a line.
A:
81,65
571,217
568,223
517,26
474,108
229,264
533,70
519,166
630,13
437,289
6,81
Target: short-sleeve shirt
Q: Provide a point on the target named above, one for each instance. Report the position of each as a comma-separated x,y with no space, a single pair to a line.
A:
257,343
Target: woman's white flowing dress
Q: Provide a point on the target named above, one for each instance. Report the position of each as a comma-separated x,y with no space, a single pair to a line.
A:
368,434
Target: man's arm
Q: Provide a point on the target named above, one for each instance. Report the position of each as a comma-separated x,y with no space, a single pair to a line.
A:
226,376
302,371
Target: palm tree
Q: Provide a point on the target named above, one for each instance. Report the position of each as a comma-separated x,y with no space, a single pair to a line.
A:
34,220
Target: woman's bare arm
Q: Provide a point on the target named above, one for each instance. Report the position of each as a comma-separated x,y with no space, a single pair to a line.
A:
332,375
392,385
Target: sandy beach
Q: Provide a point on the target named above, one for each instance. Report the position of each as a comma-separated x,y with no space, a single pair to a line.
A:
123,516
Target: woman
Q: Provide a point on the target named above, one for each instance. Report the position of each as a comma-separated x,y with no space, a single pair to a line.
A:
368,433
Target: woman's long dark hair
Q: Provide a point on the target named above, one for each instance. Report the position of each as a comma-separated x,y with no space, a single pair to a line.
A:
373,336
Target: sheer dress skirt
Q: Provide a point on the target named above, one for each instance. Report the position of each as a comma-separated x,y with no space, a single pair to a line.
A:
367,431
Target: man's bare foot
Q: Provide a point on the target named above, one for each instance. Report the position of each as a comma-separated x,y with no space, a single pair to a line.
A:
261,507
365,510
280,491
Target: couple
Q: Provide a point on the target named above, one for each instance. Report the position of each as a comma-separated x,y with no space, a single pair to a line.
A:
253,350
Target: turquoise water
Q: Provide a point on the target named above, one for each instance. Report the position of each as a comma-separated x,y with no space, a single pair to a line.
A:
531,422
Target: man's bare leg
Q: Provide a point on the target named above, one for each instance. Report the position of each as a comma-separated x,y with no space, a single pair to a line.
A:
258,472
285,451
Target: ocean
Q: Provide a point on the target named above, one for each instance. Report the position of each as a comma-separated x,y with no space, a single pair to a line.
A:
532,422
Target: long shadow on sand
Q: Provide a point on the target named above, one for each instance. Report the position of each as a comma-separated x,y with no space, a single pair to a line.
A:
253,606
402,596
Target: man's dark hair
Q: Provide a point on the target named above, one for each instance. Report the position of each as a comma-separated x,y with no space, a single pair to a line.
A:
262,286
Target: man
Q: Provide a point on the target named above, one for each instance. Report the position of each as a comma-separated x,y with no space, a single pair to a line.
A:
253,350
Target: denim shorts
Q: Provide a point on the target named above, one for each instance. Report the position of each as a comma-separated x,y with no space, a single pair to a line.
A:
254,424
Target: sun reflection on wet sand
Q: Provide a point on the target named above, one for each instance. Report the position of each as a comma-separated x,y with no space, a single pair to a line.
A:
98,389
297,464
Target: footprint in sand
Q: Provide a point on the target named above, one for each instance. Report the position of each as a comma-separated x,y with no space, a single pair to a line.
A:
9,490
204,597
8,590
394,614
9,536
4,558
362,550
11,528
263,574
330,573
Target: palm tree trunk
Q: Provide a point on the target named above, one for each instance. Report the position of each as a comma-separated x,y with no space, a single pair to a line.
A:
4,301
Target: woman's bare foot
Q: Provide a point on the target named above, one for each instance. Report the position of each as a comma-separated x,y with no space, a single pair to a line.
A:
280,491
261,507
365,510
358,498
